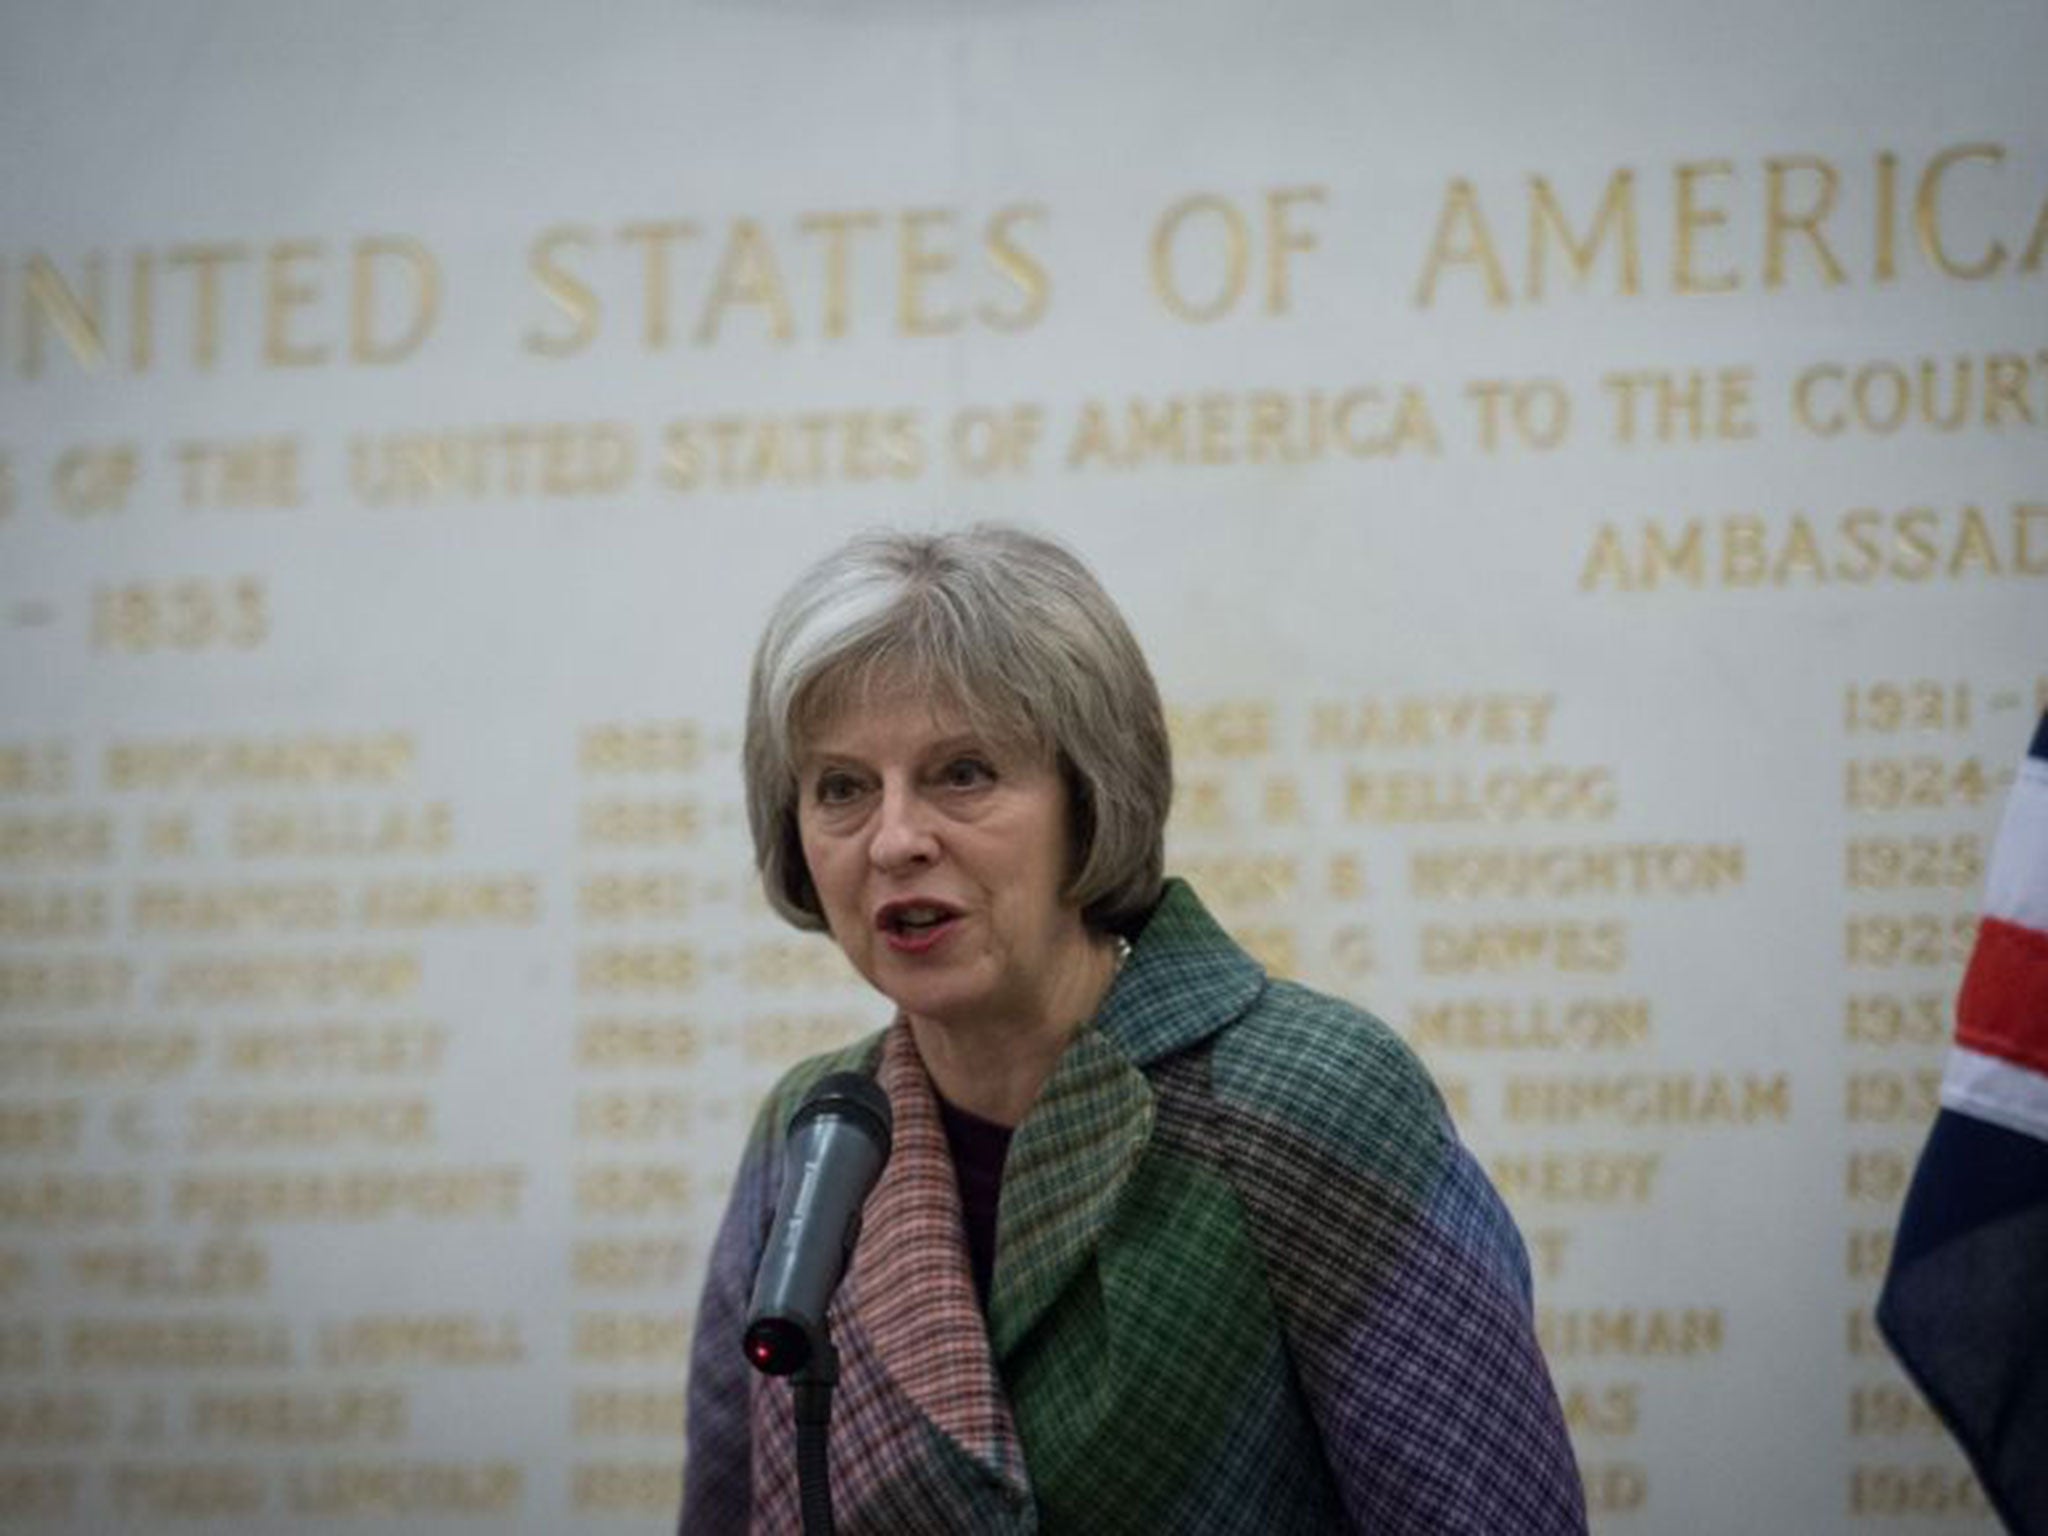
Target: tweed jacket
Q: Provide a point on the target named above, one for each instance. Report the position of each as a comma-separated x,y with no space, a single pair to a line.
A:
1246,1280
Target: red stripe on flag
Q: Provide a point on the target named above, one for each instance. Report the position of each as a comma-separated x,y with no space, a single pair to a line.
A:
2003,1010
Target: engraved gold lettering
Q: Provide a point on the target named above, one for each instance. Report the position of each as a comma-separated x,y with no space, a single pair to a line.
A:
1887,1097
55,1201
348,1195
97,1055
1780,221
1885,1409
193,1343
51,302
838,230
1219,430
1616,216
158,906
39,1492
1647,1098
1692,406
69,984
298,1418
656,237
1926,1492
546,459
244,1125
205,263
50,1127
1429,721
633,1189
205,1491
1506,796
639,1042
44,1420
1575,1178
1645,1333
613,1413
916,264
647,1114
167,764
626,1488
1567,948
1021,270
254,473
565,290
1909,705
1927,213
1615,1488
1547,873
341,830
190,615
1283,241
1497,1024
747,275
1235,257
53,912
346,977
630,1263
285,291
224,1267
1462,240
366,343
613,1338
1746,551
1612,1410
374,1341
32,841
451,902
405,1490
1690,220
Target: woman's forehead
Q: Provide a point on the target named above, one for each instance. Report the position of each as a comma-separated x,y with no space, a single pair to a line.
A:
847,705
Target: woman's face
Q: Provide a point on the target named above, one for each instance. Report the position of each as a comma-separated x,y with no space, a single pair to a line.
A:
938,857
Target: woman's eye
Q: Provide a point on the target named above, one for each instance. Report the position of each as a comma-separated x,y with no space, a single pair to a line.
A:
836,788
967,772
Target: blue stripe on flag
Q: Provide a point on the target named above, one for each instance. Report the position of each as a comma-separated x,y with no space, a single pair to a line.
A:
1972,1173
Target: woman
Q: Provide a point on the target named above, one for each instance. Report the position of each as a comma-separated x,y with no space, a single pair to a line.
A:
1163,1245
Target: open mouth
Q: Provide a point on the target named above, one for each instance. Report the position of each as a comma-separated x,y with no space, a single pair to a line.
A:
914,924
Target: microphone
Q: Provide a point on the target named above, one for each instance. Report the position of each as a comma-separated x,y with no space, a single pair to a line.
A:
838,1141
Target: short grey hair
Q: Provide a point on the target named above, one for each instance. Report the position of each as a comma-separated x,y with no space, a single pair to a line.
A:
1011,629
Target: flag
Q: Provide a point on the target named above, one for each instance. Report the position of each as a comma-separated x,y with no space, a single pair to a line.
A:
1965,1304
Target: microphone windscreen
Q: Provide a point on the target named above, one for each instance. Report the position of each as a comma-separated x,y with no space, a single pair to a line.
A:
838,1140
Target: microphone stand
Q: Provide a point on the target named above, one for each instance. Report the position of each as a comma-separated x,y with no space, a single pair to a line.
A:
813,1386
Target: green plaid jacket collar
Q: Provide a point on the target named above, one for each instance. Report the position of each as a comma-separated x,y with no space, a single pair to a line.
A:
1074,1154
1185,980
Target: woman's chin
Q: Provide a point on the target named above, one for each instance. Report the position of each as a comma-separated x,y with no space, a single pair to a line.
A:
931,1006
944,1000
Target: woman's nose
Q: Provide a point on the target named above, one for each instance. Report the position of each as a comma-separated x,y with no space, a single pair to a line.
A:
903,832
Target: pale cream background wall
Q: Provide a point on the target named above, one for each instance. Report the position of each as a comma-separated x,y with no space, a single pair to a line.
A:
1579,473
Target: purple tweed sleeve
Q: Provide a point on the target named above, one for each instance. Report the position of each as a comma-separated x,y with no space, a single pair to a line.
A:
718,1460
1401,1281
1437,1408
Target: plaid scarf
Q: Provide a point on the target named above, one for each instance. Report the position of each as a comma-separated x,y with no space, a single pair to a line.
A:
1246,1280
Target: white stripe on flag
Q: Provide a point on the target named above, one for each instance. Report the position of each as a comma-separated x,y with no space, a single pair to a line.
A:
1991,1089
2018,888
